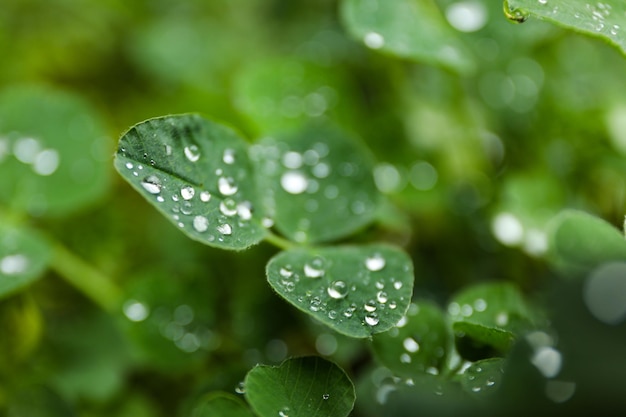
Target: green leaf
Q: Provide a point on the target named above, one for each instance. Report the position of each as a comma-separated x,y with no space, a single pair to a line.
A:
221,404
581,240
483,378
408,29
197,174
356,290
605,20
300,387
488,316
418,344
318,184
53,151
24,255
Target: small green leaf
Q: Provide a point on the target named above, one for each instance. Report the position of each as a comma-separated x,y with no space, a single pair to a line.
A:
407,28
197,174
300,387
418,344
24,255
483,377
476,341
356,290
319,184
221,404
581,240
606,19
53,151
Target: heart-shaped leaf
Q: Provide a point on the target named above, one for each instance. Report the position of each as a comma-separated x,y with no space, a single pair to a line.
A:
300,387
606,19
581,240
318,183
197,174
406,28
221,404
418,344
356,290
24,255
54,152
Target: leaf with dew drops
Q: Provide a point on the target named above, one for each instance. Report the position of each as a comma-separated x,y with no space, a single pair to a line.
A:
221,404
602,19
198,175
24,255
483,377
318,183
54,151
418,344
356,290
408,29
300,387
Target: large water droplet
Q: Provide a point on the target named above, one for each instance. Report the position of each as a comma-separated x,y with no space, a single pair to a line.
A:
382,297
397,285
228,207
192,153
371,319
410,345
244,210
337,289
374,40
240,388
187,192
370,306
152,184
200,223
13,264
375,262
294,182
225,229
205,196
315,268
227,186
284,412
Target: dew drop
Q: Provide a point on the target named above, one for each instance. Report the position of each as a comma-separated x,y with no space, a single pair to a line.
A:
227,186
374,40
315,304
160,199
410,345
244,210
229,156
332,314
240,388
337,289
200,223
13,264
375,262
185,207
205,196
228,207
225,229
292,160
371,319
136,311
192,153
370,306
152,184
294,182
187,192
129,165
284,412
397,285
382,297
286,271
315,268
393,305
380,285
405,358
325,396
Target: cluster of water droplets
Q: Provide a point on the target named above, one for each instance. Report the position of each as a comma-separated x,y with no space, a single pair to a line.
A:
30,151
481,380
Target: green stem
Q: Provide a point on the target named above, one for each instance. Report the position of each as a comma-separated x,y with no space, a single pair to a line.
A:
278,241
85,278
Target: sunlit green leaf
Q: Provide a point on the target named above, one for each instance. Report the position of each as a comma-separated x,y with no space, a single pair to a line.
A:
406,28
418,344
221,404
483,377
604,19
300,387
318,183
356,290
197,174
54,155
579,239
24,255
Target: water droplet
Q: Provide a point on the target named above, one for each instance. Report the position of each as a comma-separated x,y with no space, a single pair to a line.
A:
543,1
160,199
514,15
152,184
480,305
315,268
286,271
370,306
292,160
380,285
240,388
200,223
321,170
315,304
284,412
325,396
371,319
13,264
192,153
136,311
227,186
205,196
547,360
374,40
26,150
410,345
175,197
405,358
375,262
397,285
225,229
244,210
467,16
129,165
337,289
490,382
393,305
332,314
185,207
294,182
476,389
228,207
267,222
229,156
382,297
187,192
502,319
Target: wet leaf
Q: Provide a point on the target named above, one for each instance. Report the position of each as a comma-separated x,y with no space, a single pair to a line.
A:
221,404
483,377
581,240
408,29
300,387
24,255
197,174
318,183
356,290
418,344
603,19
54,155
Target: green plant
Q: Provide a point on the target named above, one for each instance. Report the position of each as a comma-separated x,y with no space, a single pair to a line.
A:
402,191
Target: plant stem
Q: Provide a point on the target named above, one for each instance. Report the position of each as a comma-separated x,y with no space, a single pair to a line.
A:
278,241
85,278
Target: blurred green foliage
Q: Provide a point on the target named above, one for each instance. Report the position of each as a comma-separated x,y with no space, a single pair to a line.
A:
472,167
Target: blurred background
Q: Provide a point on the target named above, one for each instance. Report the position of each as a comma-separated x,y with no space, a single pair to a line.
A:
472,166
